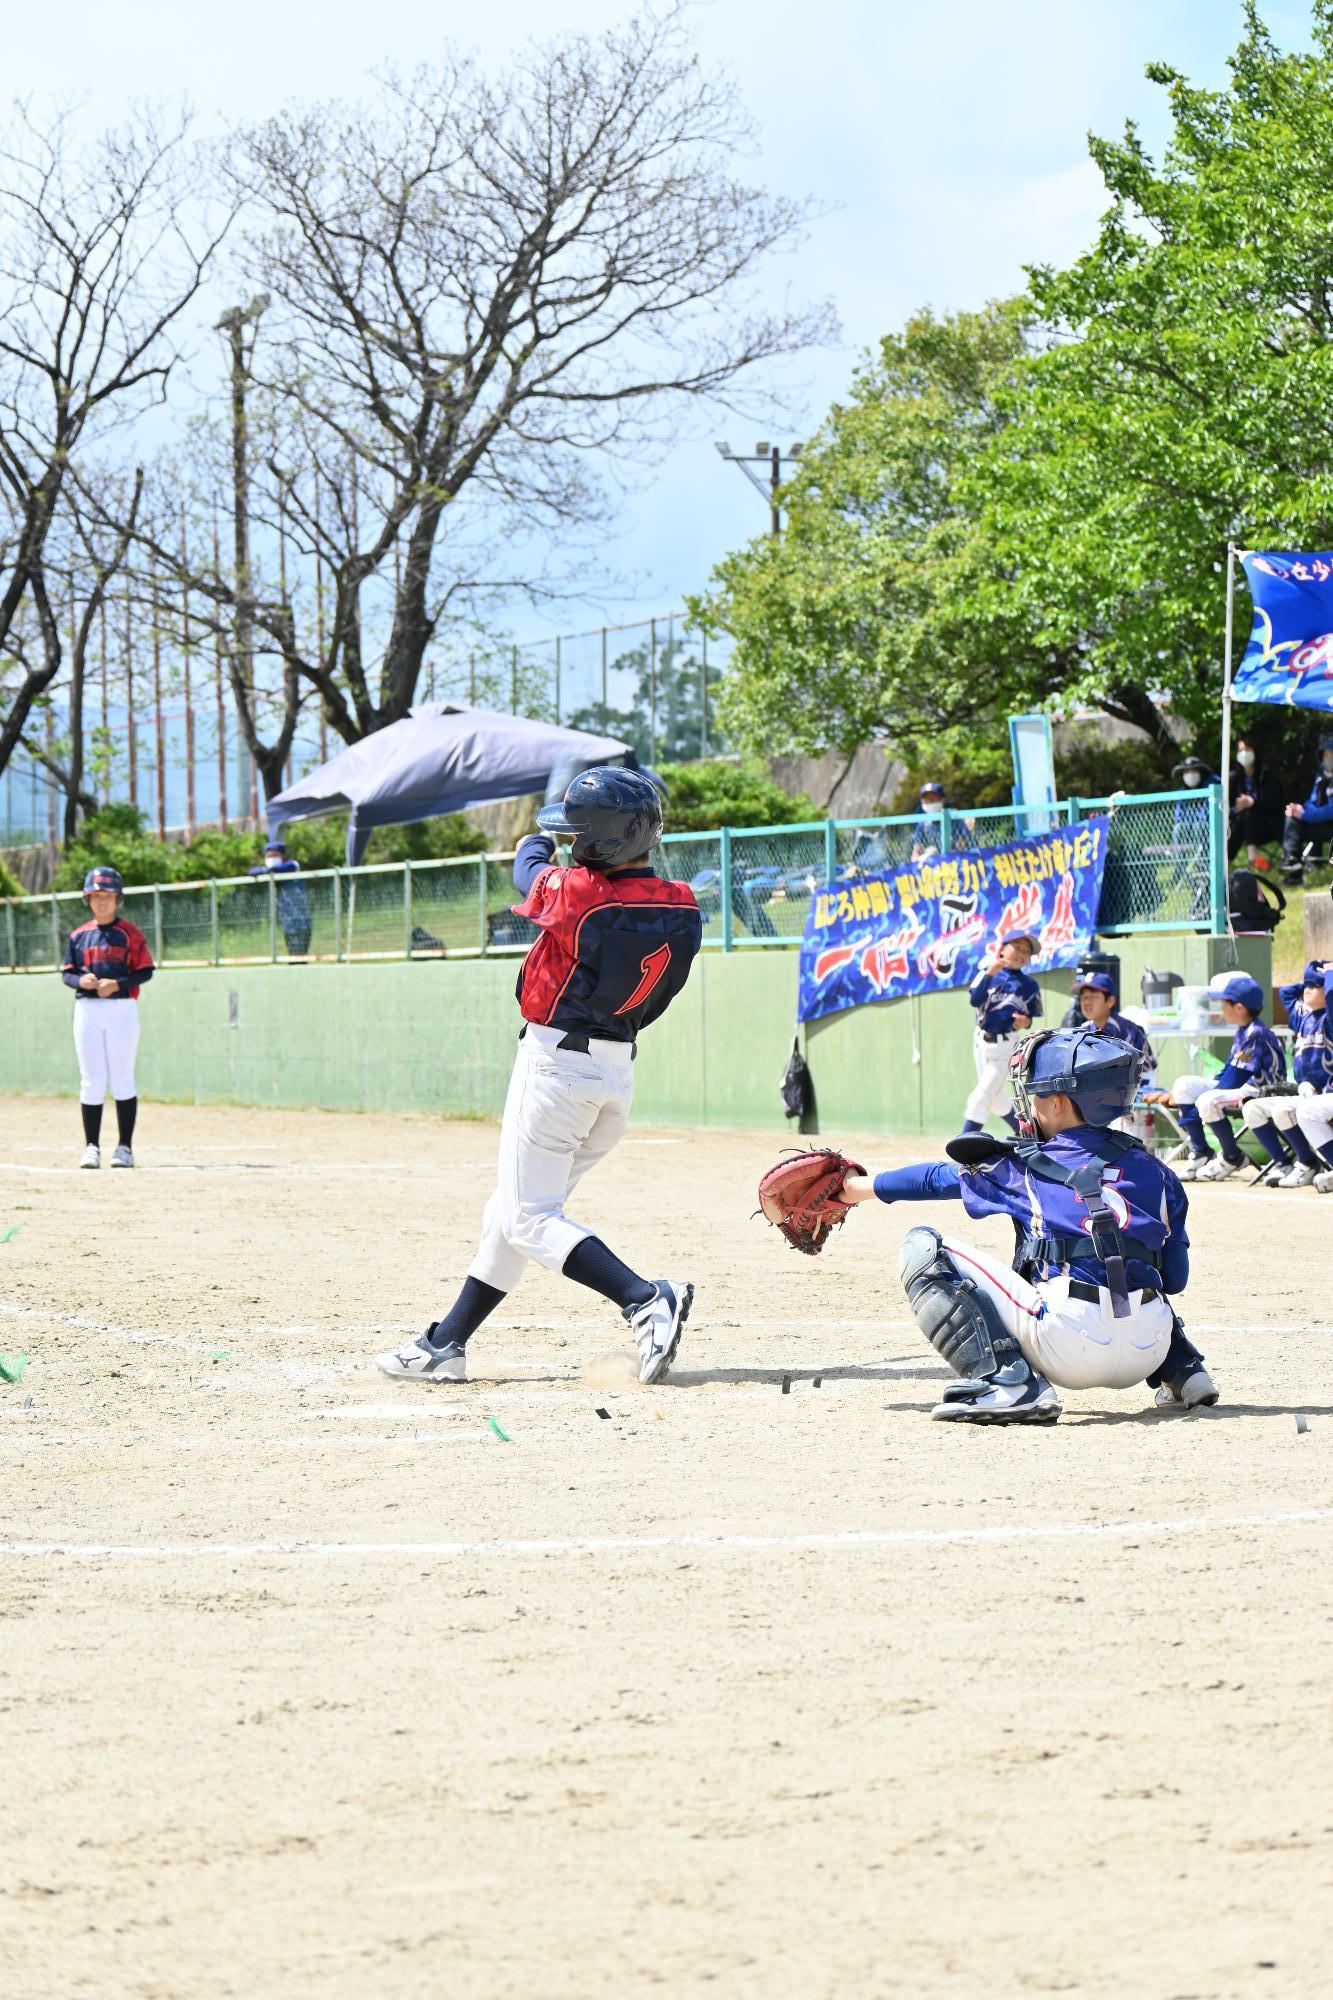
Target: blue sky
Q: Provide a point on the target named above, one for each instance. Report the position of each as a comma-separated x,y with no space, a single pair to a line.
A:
948,135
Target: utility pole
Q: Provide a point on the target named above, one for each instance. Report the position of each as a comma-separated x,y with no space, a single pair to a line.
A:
234,324
769,456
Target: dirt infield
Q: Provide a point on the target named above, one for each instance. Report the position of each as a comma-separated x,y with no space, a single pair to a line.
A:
330,1689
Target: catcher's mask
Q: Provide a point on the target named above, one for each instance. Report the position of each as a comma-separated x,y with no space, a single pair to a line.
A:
1099,1073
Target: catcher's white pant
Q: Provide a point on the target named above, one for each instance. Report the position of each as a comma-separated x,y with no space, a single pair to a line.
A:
564,1112
992,1087
1074,1343
1314,1115
106,1038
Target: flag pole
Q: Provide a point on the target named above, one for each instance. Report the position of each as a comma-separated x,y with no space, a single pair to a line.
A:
1224,800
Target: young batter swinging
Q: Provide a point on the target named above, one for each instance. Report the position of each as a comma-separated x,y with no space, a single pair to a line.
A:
615,949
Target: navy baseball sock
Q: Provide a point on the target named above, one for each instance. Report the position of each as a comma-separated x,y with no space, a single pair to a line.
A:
127,1110
1226,1139
92,1123
971,1125
1301,1147
590,1263
1192,1126
1011,1120
1326,1153
474,1303
1271,1140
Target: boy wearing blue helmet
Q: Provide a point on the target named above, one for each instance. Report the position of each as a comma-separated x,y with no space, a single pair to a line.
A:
1254,1063
1101,1246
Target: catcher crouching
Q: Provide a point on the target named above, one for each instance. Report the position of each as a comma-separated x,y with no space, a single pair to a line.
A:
1101,1243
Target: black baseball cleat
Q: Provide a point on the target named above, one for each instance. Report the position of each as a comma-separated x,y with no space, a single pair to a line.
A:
656,1326
1195,1391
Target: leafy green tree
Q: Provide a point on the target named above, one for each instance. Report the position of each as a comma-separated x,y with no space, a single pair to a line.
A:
724,792
870,615
1185,393
665,717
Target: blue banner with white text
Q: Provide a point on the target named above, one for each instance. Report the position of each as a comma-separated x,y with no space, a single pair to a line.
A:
936,924
1289,658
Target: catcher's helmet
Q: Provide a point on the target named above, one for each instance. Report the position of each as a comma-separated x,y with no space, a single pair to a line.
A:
615,816
104,878
1099,1073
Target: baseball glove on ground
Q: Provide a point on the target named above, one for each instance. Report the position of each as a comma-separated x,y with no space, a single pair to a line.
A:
801,1197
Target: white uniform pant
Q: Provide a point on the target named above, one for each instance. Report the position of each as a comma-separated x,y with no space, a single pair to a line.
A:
106,1037
992,1087
564,1113
1212,1104
1074,1343
1314,1115
1279,1111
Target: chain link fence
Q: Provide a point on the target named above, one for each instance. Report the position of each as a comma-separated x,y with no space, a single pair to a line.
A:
1165,871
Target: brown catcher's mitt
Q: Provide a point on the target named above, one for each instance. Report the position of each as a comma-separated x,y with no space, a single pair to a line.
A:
801,1196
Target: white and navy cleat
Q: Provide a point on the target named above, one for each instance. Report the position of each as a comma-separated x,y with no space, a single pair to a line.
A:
1323,1182
656,1326
1195,1391
417,1361
1029,1399
1219,1169
1298,1175
122,1157
92,1156
1191,1168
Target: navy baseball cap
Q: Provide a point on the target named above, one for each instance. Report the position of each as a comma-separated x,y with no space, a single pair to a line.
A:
275,847
1101,982
1313,974
931,785
1240,989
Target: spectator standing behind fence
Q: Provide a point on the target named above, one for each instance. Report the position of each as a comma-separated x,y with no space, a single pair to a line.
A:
1310,825
1254,805
293,902
1191,835
927,831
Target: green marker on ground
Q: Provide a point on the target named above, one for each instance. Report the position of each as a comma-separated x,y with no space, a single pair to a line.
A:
502,1435
13,1367
10,1233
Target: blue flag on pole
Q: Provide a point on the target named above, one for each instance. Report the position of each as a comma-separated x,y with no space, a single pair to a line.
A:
1289,658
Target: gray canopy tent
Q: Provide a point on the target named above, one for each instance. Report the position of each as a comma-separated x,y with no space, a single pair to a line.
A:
440,758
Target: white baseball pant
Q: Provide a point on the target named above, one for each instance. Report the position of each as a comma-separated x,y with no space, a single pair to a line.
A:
1280,1111
992,1087
1074,1343
564,1112
106,1037
1210,1102
1314,1115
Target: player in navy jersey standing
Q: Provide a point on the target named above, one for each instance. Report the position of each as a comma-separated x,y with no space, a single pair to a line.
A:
616,947
107,960
1007,1000
1101,1238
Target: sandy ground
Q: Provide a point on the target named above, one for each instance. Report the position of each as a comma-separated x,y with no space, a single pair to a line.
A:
311,1685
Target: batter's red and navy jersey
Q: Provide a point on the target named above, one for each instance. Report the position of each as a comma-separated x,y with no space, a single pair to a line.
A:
116,951
614,950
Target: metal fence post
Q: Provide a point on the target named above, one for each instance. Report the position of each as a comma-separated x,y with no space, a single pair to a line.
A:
483,886
337,915
652,695
272,921
946,831
1075,808
213,922
407,909
724,857
9,937
55,934
1217,863
158,953
830,850
557,679
703,699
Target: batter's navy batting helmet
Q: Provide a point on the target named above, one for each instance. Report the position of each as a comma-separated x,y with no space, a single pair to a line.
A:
104,878
1239,988
615,816
1100,1074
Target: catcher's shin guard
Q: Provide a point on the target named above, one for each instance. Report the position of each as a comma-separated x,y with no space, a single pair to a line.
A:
959,1321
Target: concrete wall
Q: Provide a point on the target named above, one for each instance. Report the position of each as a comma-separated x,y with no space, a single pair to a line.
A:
439,1036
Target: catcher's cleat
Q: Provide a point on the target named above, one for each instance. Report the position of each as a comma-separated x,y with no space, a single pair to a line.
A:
92,1156
656,1327
1017,1395
417,1361
122,1157
1195,1391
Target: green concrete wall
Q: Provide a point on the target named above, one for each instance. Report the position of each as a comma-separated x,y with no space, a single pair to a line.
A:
439,1036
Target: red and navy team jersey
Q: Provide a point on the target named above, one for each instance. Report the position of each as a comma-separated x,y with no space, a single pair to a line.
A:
614,950
116,951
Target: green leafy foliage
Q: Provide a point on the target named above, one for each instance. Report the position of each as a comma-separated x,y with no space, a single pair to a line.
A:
9,882
727,793
117,836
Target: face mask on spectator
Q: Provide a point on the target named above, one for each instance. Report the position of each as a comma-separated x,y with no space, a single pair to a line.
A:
1192,778
1326,759
1245,758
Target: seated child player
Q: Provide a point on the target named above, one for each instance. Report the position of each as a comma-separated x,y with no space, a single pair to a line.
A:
1099,1004
1274,1121
1007,1000
1101,1243
1254,1064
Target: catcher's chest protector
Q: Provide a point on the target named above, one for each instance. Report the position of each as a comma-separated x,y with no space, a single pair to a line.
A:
1086,1182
